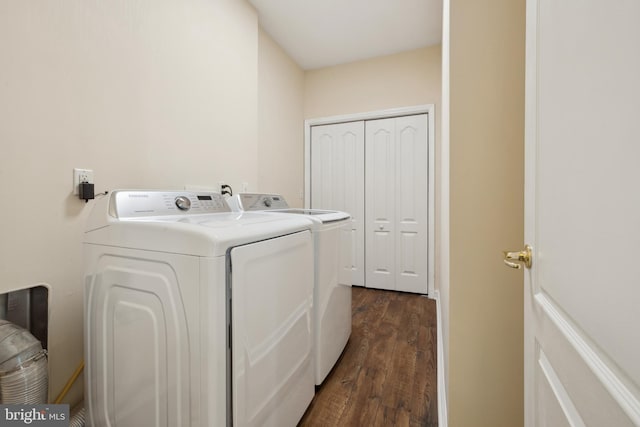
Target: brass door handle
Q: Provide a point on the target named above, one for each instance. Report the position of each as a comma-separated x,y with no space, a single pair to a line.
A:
517,259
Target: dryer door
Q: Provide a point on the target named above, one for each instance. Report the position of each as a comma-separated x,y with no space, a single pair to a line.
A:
271,300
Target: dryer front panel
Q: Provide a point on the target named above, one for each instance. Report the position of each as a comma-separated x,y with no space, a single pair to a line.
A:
272,300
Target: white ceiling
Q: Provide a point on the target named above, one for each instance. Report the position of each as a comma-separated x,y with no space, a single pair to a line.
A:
321,33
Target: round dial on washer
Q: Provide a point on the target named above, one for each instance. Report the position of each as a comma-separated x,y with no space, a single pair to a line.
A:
183,203
267,202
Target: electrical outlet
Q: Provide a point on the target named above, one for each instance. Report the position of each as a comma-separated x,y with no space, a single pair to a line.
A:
245,187
81,175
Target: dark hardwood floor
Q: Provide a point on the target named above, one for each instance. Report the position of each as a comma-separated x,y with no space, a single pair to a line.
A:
387,373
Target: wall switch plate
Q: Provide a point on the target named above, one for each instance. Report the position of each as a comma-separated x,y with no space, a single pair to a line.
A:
81,175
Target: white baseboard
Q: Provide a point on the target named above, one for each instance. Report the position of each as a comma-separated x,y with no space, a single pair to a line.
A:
441,363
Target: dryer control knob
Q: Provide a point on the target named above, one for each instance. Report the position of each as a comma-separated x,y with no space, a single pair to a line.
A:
267,202
183,203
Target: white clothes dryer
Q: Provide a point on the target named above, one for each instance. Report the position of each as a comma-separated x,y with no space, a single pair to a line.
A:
332,273
196,316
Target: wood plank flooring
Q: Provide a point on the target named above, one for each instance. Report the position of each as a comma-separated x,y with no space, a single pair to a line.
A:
387,373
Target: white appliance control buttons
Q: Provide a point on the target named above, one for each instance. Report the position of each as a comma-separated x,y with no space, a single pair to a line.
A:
183,203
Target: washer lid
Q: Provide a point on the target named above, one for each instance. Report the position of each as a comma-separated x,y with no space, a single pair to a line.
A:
277,204
324,216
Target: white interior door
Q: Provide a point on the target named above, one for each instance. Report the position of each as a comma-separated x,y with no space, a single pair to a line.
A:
337,180
582,336
396,203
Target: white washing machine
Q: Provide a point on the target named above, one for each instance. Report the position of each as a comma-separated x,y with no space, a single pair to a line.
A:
196,316
332,276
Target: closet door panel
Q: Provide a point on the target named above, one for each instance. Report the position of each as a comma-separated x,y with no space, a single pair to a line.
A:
321,167
411,203
380,172
353,155
337,181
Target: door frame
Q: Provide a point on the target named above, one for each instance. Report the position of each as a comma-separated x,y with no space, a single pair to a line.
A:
429,110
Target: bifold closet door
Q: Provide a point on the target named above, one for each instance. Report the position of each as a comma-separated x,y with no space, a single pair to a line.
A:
396,168
337,181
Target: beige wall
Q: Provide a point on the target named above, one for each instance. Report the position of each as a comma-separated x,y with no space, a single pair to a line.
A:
400,80
148,94
486,202
280,119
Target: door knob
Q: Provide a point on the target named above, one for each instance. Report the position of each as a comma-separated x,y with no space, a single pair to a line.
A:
517,259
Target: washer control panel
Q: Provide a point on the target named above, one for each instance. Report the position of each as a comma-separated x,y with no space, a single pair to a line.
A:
141,204
262,202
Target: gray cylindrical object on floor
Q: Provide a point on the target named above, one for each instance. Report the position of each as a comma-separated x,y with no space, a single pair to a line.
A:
23,366
78,416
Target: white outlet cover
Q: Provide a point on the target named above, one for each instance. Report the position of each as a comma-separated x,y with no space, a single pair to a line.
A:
81,175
